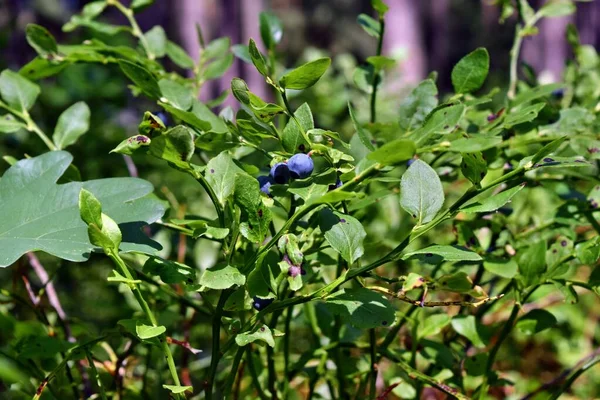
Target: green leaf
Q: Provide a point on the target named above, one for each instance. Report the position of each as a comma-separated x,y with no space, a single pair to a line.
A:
522,115
90,208
370,25
438,253
470,72
381,62
493,202
41,347
588,252
93,9
271,30
148,332
362,308
469,328
536,93
217,48
432,325
417,105
473,167
220,175
131,144
138,5
344,233
421,192
548,149
218,68
170,272
532,263
178,55
309,193
17,91
9,124
506,268
41,40
380,7
305,75
556,8
258,59
256,217
178,389
157,41
142,78
222,277
474,144
394,152
442,121
33,220
107,236
362,134
412,281
175,146
176,94
458,282
292,139
242,52
262,333
536,321
72,123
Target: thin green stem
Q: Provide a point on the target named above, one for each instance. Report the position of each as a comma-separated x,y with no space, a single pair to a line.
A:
254,375
229,383
96,374
113,255
31,126
292,116
216,342
135,28
514,60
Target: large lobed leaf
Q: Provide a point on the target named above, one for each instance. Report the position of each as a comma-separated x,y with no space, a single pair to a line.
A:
38,214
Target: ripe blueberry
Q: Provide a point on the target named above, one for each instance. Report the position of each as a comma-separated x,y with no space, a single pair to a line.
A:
300,165
260,304
265,183
336,185
280,173
558,93
164,117
409,162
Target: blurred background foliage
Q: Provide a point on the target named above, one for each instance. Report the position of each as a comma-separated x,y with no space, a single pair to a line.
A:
427,35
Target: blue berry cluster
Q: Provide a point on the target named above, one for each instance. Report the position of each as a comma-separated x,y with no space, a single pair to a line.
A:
299,166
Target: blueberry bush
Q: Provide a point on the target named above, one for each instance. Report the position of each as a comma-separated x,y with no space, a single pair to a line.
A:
444,249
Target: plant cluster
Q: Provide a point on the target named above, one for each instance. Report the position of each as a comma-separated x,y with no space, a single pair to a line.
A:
420,256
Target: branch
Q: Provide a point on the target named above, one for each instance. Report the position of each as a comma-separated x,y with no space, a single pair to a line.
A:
401,296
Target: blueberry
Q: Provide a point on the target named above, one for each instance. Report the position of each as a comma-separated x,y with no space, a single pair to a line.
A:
558,93
265,183
280,173
336,185
300,165
164,117
260,304
409,162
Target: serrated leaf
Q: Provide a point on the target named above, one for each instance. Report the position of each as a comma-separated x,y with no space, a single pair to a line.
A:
305,75
142,78
220,175
362,308
470,72
41,40
493,202
72,123
222,277
37,214
256,217
344,233
18,92
438,253
474,167
262,333
292,139
417,105
421,192
394,152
